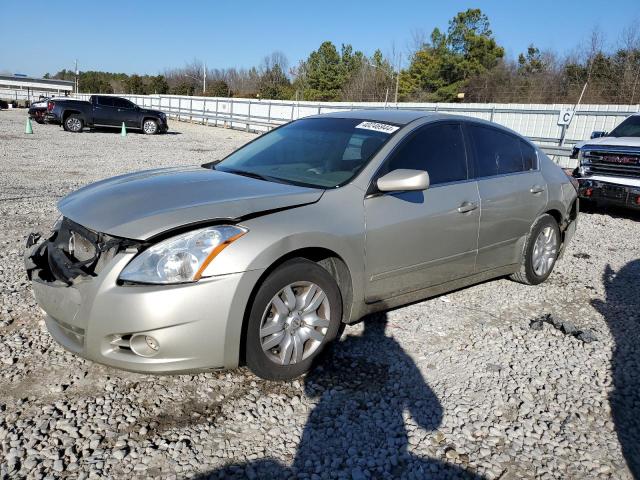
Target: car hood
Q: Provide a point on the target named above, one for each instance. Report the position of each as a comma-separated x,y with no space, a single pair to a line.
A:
144,204
612,142
153,112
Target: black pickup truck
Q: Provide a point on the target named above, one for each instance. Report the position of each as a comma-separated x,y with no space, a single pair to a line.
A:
104,111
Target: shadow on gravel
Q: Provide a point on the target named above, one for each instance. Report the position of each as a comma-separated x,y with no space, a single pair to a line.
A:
357,429
621,311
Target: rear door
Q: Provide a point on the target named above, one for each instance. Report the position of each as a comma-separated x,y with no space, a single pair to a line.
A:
419,239
104,111
512,193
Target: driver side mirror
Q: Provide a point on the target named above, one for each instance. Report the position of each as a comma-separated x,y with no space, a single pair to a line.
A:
403,180
598,134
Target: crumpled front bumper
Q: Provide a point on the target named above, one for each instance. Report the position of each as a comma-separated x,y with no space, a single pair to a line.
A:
609,192
197,326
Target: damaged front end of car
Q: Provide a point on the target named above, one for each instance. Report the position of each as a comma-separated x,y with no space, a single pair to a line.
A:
76,277
70,253
63,267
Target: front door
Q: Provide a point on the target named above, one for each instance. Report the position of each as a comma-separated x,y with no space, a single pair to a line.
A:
420,239
126,111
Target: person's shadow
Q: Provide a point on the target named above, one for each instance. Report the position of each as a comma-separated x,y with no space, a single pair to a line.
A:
365,385
621,311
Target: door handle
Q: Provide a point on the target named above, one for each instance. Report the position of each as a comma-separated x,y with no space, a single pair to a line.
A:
536,189
467,207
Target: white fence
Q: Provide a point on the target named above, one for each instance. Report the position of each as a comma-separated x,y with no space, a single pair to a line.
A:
539,122
536,121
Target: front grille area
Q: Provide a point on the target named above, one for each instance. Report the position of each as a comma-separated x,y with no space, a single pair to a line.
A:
72,251
621,163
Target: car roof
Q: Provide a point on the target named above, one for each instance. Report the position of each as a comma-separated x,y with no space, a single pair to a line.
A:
404,117
399,117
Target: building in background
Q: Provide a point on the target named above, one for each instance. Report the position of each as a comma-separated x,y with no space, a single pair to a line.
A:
19,88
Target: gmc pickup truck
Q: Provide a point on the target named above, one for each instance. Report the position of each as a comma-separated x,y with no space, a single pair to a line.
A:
608,168
104,111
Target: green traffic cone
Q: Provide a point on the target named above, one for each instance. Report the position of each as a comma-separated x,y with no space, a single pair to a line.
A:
123,132
28,128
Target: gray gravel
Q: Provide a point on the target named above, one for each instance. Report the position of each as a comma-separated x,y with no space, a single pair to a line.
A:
498,380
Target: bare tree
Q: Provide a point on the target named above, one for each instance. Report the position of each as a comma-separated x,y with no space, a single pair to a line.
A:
275,58
419,38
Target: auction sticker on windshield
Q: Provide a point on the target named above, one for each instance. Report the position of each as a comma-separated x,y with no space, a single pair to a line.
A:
378,127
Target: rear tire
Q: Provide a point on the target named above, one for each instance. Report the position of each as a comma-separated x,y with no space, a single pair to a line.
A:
150,127
296,312
540,252
73,123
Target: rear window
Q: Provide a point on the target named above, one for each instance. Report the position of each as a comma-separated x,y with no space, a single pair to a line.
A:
497,153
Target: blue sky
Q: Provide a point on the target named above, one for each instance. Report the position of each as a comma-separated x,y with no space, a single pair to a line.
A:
148,36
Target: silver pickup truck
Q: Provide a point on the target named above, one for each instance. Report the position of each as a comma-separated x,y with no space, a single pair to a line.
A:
608,168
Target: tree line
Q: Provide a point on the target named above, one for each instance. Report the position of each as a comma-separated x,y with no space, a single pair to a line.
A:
463,62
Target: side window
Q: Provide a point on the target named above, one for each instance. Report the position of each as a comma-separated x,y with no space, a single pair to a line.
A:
529,156
497,153
122,103
105,101
438,149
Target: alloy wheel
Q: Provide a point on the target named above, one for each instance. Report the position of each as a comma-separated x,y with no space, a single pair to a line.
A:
150,127
545,251
295,323
74,124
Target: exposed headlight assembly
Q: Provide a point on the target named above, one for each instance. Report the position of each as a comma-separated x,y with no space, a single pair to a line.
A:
183,258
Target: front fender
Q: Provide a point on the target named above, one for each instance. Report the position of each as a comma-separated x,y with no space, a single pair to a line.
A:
335,223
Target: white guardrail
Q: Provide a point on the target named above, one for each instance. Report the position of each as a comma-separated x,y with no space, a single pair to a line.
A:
539,122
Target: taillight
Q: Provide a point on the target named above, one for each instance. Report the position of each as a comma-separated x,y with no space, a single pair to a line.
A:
50,106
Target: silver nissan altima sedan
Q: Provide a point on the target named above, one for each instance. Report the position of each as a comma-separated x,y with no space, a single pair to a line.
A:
260,258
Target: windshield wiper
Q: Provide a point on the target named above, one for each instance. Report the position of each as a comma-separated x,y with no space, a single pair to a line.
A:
248,174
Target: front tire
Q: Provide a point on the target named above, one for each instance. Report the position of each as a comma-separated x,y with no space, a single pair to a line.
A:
540,252
150,127
296,312
73,123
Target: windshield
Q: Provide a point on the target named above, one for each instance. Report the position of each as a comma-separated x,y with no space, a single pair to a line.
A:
316,152
629,128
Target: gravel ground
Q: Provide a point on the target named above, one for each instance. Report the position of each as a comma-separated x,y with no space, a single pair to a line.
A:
498,380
